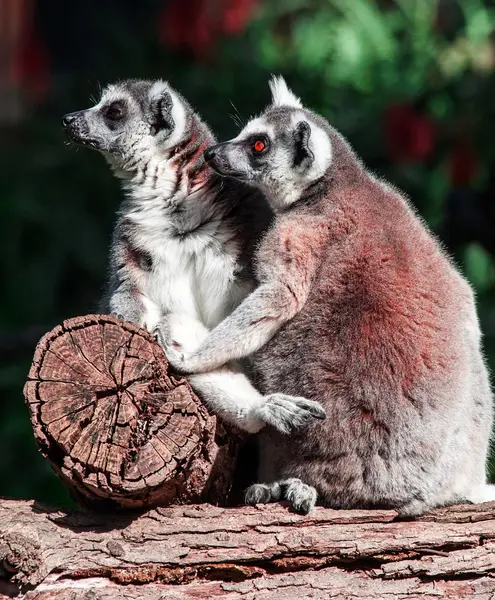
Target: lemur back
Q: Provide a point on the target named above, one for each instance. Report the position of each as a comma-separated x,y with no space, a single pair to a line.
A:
357,307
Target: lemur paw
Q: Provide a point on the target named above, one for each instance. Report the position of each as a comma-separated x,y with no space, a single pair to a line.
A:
163,336
178,359
166,345
301,497
286,413
258,493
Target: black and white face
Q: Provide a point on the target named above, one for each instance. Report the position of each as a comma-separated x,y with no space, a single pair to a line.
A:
134,119
281,152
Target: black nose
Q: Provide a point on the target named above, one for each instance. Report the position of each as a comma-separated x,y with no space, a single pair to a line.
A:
68,119
210,153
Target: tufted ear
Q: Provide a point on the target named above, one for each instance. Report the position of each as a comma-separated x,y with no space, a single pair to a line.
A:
161,114
281,94
304,156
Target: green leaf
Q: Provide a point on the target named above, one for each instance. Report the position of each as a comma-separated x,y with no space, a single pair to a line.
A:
479,267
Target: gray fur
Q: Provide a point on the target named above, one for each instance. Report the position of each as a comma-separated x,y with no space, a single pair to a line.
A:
182,248
359,308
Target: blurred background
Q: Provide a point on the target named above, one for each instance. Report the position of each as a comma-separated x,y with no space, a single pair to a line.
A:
411,83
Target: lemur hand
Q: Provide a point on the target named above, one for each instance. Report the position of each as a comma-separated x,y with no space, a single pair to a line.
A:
288,413
183,362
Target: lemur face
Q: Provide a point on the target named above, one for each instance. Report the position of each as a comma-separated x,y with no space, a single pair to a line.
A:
134,119
281,152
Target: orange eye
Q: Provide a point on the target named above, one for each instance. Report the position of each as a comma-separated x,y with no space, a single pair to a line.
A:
259,145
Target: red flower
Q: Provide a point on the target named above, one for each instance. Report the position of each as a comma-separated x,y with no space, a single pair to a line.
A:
186,24
236,15
30,67
462,163
195,24
409,135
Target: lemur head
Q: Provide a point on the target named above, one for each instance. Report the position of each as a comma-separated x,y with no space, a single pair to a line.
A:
282,152
134,121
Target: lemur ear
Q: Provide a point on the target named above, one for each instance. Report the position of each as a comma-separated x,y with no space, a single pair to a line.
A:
281,94
304,156
161,114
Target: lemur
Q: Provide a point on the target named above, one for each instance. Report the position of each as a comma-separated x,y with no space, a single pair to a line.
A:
358,307
183,243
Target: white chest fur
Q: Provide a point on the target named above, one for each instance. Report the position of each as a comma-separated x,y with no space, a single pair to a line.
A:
193,273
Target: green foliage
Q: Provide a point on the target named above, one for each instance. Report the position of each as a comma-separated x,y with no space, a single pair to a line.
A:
348,59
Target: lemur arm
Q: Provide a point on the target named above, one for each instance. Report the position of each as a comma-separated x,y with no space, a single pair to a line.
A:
124,302
286,269
122,297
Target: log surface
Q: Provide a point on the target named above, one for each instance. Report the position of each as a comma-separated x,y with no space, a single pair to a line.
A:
117,426
247,553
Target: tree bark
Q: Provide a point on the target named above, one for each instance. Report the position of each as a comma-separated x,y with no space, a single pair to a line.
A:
265,553
117,426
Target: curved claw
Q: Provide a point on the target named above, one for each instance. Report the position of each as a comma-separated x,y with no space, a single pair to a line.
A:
157,333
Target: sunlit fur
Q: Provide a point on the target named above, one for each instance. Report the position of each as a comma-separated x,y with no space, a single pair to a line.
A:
277,176
357,307
282,95
184,239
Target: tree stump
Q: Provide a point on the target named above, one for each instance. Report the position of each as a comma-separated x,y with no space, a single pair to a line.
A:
117,426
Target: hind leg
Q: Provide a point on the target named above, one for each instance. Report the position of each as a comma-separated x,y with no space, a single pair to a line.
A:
301,497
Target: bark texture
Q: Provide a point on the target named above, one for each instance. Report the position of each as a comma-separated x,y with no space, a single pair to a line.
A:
117,426
267,553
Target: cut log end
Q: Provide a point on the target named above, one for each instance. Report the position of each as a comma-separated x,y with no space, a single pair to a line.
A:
117,426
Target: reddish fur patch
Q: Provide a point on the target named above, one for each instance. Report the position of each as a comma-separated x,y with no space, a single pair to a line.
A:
188,157
402,288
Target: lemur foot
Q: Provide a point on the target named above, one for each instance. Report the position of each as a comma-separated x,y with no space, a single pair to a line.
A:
286,413
302,497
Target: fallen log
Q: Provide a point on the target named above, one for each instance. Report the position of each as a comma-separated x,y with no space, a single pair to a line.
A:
124,432
266,553
117,426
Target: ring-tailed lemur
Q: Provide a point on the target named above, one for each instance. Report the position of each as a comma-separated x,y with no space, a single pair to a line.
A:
357,306
184,238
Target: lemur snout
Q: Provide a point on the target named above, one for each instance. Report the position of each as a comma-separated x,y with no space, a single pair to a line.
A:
75,126
78,131
219,159
70,118
210,153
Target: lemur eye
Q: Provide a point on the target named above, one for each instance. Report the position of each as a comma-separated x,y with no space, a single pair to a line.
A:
115,111
259,145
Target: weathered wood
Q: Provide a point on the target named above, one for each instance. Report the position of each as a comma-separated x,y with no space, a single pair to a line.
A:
247,553
117,426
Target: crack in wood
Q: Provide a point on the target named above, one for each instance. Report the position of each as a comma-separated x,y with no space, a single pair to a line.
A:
203,551
118,428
